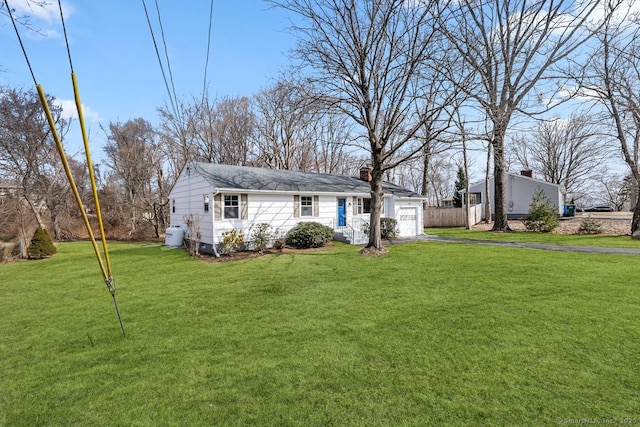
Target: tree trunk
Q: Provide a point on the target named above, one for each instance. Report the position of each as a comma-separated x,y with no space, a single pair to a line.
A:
635,222
499,182
487,189
24,238
425,173
374,247
466,181
36,211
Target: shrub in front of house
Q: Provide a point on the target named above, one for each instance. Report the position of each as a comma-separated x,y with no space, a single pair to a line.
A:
388,228
260,235
542,215
41,245
309,235
590,226
232,241
279,239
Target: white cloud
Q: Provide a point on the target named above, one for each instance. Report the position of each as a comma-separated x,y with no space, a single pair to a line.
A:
625,11
69,110
43,15
43,12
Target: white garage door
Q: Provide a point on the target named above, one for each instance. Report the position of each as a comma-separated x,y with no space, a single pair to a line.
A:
407,218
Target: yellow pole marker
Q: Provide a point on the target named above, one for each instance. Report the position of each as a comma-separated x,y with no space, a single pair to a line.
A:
74,188
94,188
107,278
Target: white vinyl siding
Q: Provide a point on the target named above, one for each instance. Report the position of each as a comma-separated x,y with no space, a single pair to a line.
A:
187,199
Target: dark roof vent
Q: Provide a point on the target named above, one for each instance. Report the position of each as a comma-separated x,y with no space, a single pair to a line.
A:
528,173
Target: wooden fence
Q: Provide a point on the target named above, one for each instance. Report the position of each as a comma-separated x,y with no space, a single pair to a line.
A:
451,217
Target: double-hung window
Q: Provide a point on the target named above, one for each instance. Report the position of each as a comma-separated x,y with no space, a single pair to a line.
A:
206,203
231,207
306,206
475,198
364,205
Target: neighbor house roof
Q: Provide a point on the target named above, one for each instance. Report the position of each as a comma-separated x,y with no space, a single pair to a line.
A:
262,179
516,175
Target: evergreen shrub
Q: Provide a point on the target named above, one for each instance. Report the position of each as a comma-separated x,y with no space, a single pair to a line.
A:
590,226
542,215
41,245
309,235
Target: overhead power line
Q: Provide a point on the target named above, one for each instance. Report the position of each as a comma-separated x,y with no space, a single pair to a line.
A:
206,63
24,52
164,75
166,53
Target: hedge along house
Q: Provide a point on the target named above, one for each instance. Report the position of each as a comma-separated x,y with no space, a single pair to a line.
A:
221,198
520,190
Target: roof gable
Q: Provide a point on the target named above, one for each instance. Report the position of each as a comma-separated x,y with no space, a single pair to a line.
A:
481,184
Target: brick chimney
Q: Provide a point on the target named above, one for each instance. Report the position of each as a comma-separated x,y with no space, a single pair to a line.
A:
365,173
527,173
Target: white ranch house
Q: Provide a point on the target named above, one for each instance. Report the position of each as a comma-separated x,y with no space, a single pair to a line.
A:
520,190
224,197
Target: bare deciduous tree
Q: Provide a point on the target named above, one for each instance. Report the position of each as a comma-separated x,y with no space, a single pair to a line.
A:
285,115
222,131
177,139
28,158
510,48
135,159
612,79
566,152
616,190
375,61
332,152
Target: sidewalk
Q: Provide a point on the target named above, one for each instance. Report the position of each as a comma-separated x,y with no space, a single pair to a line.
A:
583,249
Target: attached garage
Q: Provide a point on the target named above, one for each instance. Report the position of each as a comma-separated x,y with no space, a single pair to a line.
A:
407,221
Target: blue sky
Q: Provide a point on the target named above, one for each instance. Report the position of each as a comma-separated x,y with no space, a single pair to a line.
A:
116,64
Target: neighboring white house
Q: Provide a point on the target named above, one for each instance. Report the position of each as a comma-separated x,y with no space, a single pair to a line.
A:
520,190
224,197
447,202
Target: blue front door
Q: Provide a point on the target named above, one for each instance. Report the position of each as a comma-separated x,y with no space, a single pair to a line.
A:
342,216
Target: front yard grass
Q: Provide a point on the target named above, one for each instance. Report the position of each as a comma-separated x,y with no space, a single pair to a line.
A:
431,334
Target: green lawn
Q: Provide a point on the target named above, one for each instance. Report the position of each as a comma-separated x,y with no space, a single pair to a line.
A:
432,334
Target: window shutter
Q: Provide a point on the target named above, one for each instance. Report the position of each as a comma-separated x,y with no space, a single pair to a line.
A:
316,205
244,210
296,206
355,205
217,207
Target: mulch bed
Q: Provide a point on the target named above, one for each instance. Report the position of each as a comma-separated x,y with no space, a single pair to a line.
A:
611,226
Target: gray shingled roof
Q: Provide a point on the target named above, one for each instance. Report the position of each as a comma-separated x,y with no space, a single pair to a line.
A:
261,179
